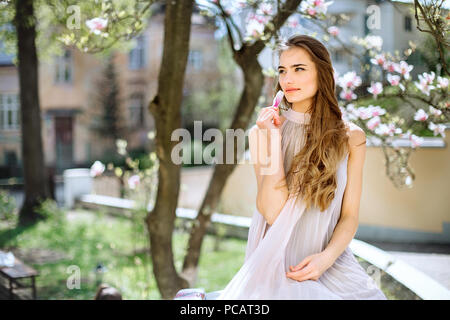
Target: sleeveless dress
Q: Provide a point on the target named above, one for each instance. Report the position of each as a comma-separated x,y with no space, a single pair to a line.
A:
296,234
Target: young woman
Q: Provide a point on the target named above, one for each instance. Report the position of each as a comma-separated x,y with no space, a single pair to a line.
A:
308,193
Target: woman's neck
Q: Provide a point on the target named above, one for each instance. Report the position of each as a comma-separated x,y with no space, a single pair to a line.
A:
302,106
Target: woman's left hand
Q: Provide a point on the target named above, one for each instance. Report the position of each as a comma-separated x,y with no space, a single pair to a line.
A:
311,268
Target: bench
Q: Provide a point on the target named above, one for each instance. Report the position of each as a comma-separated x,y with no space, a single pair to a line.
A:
15,274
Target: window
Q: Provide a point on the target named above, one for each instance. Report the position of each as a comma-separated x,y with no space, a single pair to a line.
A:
63,68
408,23
195,59
136,111
9,112
137,54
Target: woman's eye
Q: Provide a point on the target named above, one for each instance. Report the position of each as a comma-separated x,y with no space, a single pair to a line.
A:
299,68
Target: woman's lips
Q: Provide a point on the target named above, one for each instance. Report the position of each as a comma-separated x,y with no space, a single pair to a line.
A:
288,91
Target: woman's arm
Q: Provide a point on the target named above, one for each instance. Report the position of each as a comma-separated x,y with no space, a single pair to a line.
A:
264,144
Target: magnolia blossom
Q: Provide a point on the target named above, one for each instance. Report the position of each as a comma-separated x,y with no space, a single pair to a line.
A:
394,80
434,111
375,88
265,8
133,181
420,115
364,113
96,25
389,66
256,24
427,77
255,28
424,86
379,60
292,22
373,123
313,7
442,82
403,68
351,112
373,42
387,129
415,140
347,94
350,80
376,110
437,129
333,30
97,169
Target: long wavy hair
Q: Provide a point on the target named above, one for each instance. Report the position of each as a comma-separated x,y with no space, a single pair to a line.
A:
312,175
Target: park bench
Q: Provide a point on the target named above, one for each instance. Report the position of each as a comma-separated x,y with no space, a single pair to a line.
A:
16,274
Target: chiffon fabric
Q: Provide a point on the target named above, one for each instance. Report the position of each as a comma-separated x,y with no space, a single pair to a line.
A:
296,234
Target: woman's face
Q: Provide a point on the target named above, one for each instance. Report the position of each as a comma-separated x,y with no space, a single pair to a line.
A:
297,71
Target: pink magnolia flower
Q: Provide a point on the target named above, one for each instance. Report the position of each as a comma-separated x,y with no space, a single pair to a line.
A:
387,129
389,66
442,82
97,169
435,112
373,42
349,81
373,123
347,94
415,140
424,86
379,60
428,77
313,7
278,97
255,27
375,88
376,111
265,8
437,129
293,22
133,181
420,115
96,25
311,11
333,30
403,68
364,113
394,80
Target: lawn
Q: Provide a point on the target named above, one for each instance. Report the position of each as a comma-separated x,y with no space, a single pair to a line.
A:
86,238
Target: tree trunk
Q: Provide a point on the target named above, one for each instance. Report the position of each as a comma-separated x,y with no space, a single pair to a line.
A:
254,82
36,189
165,109
247,59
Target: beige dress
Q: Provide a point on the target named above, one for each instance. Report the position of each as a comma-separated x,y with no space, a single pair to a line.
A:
296,234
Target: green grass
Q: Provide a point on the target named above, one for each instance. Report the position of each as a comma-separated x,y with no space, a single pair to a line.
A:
122,246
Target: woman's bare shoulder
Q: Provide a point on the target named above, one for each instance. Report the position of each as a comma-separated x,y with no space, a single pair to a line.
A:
356,135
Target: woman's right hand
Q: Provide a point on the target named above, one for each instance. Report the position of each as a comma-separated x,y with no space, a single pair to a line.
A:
268,118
